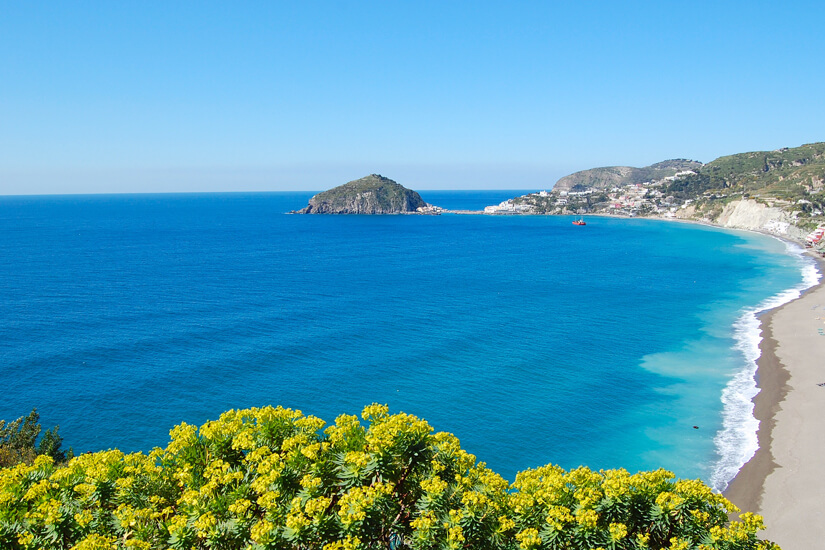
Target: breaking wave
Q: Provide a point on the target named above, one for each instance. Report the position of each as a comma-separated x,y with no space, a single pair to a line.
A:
736,442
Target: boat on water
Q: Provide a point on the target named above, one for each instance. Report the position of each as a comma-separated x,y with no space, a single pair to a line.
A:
580,221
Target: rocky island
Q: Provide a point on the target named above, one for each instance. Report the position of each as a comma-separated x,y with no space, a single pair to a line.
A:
373,194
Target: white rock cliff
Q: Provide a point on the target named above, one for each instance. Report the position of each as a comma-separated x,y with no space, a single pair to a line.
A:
749,214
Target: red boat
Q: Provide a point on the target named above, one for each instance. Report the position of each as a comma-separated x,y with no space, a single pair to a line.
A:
580,221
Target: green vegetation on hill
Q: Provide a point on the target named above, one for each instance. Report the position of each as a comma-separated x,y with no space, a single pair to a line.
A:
786,188
619,176
786,174
791,178
803,165
373,194
272,478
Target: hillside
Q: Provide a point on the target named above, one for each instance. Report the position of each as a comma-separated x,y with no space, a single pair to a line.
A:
373,194
780,192
785,174
617,176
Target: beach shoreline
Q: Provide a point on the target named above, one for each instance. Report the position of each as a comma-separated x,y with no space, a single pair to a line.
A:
758,486
783,480
745,490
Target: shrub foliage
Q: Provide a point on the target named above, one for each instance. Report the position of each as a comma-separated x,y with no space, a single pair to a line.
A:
18,441
272,478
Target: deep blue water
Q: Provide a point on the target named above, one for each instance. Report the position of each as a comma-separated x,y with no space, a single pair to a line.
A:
531,339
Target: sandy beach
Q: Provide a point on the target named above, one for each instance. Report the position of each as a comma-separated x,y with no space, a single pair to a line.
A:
785,480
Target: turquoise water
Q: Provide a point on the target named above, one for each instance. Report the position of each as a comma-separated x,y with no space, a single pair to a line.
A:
533,340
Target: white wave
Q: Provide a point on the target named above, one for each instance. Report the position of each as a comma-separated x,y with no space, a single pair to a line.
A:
736,442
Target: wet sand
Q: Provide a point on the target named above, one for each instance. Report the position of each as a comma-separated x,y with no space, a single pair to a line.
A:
785,480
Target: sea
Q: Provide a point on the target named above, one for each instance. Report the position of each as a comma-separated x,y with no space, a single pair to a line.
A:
625,343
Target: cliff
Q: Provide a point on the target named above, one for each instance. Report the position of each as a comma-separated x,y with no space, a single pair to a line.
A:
752,215
373,194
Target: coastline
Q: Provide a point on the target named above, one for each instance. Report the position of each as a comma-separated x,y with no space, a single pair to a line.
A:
783,481
760,485
745,490
785,478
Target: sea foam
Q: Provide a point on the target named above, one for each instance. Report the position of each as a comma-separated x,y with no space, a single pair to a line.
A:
737,442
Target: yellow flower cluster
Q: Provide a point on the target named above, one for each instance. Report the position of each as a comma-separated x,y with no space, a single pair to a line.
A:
618,531
385,429
96,542
669,501
425,523
434,485
262,532
559,516
347,543
528,538
358,459
587,518
273,478
358,501
347,429
455,537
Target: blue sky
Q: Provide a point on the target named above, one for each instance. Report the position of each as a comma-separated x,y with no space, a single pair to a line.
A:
253,96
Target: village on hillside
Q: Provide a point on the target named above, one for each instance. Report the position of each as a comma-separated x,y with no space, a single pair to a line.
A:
652,199
640,199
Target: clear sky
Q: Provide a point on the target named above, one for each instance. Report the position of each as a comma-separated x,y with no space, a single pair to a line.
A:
131,96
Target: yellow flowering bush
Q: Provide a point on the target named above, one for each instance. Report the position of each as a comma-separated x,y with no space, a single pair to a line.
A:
272,478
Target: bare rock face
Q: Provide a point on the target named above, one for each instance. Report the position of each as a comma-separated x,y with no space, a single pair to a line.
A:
373,194
749,214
